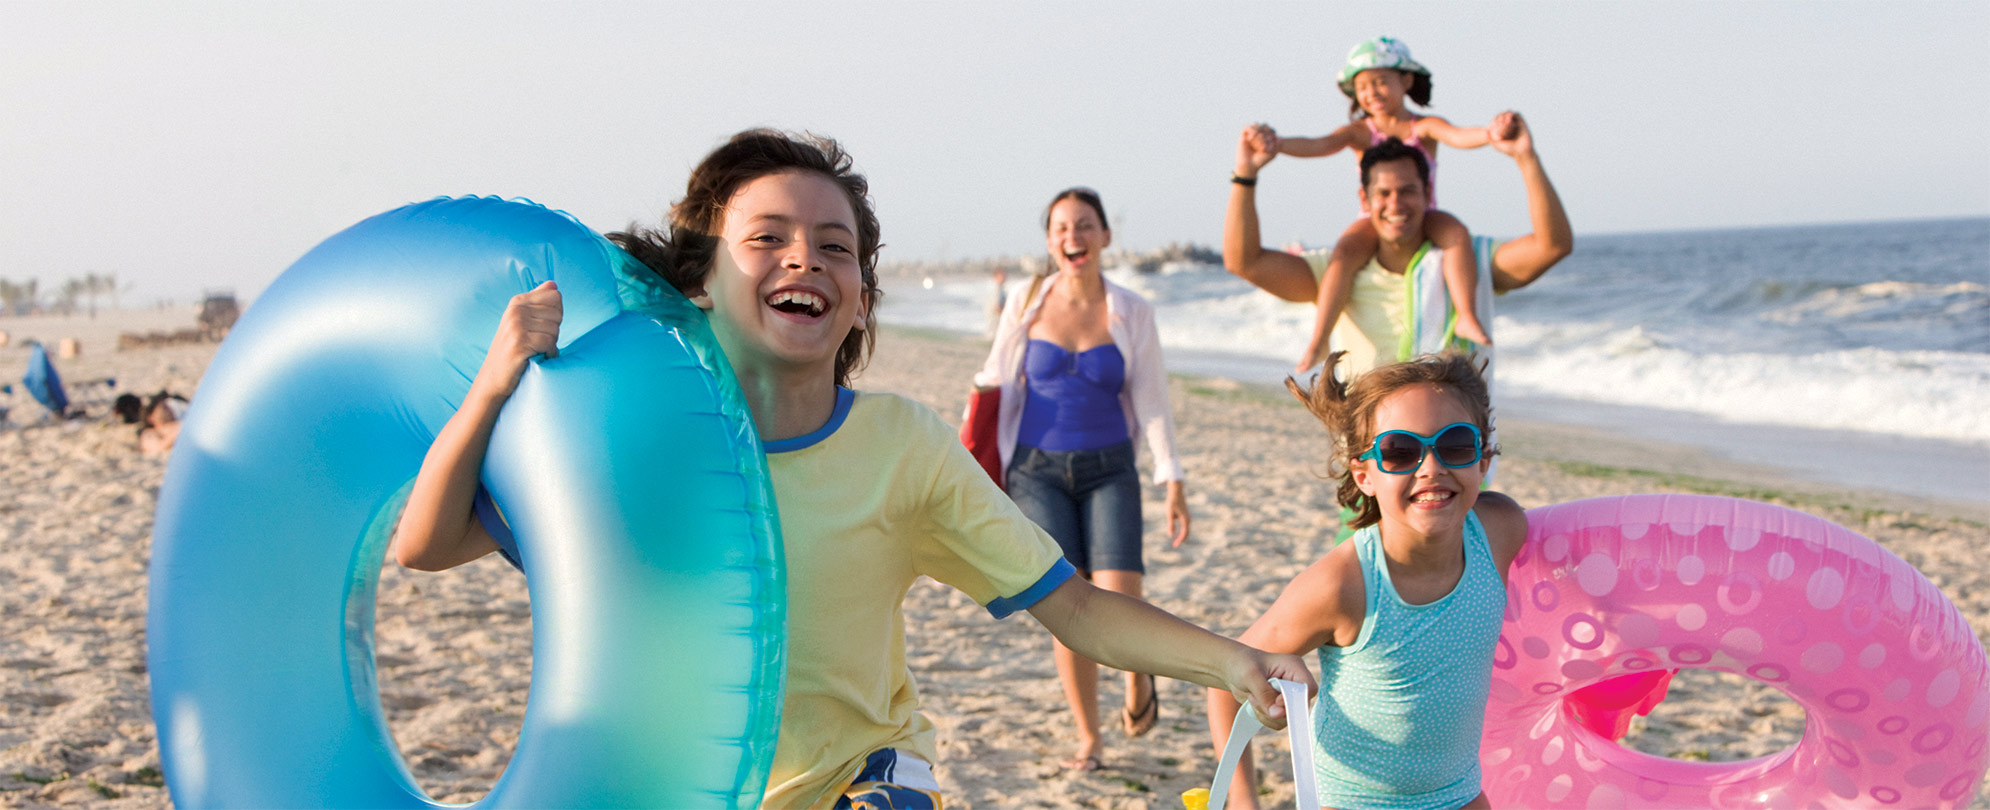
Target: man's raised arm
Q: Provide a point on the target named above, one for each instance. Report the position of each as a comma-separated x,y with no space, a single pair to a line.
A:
1274,271
1519,262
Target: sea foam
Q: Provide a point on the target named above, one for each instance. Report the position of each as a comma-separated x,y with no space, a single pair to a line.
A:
1658,321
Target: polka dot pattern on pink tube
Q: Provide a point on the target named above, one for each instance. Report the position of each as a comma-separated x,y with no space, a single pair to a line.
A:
1895,683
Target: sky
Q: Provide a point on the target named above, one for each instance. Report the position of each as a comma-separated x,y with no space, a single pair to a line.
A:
189,147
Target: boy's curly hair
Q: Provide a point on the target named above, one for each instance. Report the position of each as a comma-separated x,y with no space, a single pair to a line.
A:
683,251
1348,411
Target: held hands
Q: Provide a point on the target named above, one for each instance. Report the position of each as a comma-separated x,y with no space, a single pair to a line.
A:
530,327
1256,146
1510,135
1249,678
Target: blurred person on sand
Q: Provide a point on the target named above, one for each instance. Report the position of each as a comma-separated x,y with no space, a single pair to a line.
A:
995,299
1078,362
776,239
1378,78
1384,321
162,423
1405,617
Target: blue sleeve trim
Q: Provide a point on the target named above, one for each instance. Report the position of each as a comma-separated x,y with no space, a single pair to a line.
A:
493,520
844,398
1002,607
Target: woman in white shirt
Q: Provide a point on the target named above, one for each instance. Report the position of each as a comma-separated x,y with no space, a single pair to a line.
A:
1079,363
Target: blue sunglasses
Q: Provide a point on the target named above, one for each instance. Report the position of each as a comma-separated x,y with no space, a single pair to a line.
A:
1400,452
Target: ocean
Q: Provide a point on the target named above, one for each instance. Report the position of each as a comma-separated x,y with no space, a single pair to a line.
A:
1856,354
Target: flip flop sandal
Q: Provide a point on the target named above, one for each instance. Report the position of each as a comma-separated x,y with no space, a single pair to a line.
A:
1138,723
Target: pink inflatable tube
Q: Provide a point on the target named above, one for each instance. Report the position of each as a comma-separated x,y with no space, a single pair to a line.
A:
1893,680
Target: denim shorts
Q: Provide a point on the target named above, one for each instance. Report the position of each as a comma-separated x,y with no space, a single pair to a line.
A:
1088,500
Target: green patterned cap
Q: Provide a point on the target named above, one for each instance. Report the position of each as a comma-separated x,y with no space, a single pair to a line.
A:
1380,52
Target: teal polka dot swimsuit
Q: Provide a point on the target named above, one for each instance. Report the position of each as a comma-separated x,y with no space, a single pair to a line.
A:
1400,711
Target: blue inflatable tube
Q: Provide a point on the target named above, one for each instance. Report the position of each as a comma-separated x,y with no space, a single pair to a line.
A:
628,468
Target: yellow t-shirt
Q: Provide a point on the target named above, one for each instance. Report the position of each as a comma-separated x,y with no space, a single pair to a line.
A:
1370,325
881,495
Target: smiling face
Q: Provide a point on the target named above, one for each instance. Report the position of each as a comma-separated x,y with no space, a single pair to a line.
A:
1380,91
1396,200
1076,236
1434,500
785,287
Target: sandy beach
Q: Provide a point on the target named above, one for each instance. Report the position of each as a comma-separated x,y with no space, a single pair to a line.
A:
453,649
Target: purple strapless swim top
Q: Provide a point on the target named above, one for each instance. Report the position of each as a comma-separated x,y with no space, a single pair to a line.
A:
1072,399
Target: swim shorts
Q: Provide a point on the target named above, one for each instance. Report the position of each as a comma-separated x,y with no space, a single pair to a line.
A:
892,780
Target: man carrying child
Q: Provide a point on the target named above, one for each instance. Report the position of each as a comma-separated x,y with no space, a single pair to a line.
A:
1383,322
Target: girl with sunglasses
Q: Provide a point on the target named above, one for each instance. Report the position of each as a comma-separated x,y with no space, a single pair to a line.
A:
1405,617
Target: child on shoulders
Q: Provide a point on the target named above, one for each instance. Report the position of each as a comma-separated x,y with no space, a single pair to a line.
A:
1378,77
